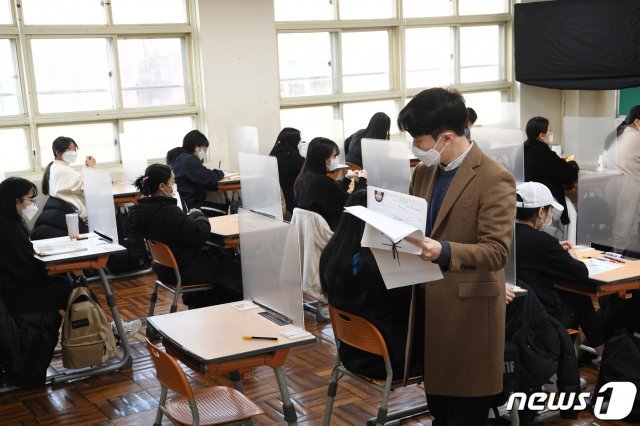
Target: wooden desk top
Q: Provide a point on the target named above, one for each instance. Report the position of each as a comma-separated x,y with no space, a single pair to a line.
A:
225,226
630,271
214,334
123,189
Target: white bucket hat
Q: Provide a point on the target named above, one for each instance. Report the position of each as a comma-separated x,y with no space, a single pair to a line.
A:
534,195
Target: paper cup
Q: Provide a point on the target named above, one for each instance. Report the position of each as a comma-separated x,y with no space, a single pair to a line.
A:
72,225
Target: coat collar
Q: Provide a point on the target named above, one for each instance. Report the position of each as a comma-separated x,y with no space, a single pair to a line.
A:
463,176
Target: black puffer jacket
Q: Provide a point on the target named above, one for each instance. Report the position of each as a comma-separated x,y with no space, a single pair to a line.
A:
52,222
160,219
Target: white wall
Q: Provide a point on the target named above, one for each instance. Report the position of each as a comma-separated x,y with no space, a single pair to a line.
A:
239,69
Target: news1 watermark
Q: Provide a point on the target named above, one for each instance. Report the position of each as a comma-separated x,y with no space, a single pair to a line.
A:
616,406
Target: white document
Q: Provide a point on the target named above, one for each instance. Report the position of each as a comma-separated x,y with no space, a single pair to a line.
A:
390,217
59,248
597,266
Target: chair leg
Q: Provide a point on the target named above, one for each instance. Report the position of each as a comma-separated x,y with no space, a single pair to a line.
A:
331,393
163,401
174,304
153,299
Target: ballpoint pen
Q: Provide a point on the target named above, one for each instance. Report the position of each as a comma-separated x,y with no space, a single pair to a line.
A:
259,338
604,259
613,258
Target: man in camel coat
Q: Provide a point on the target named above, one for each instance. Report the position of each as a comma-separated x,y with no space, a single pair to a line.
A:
469,229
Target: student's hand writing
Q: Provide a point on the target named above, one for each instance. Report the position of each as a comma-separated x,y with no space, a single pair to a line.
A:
431,249
90,161
510,295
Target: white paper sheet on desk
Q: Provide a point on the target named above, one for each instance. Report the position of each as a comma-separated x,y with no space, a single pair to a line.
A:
58,248
597,266
411,269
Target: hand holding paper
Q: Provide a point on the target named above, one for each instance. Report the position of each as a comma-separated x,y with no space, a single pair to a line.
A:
430,249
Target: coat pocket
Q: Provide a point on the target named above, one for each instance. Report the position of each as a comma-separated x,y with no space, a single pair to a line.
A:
479,289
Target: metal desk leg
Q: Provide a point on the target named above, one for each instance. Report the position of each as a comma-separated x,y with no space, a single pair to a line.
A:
287,406
123,363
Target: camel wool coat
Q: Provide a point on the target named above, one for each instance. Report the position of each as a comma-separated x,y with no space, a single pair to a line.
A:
465,311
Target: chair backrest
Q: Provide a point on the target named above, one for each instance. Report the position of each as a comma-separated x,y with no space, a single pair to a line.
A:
161,253
357,332
168,372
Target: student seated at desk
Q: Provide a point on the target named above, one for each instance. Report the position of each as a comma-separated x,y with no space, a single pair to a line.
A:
32,298
289,162
65,186
319,193
352,282
156,216
192,177
541,259
378,128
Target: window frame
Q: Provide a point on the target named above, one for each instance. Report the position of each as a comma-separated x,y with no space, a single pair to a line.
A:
31,118
396,28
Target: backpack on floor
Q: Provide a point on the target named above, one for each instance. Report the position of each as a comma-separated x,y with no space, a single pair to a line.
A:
87,338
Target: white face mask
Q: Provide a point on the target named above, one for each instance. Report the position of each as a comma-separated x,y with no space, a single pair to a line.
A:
335,162
70,156
430,157
546,226
30,211
550,139
174,191
202,154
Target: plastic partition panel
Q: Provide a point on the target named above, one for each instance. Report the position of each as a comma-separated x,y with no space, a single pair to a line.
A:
2,177
387,164
504,146
587,137
605,206
260,184
510,270
133,156
98,195
271,264
247,139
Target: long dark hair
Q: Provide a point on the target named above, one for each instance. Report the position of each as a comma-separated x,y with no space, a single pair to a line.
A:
378,127
13,189
153,176
320,149
336,261
633,114
535,126
59,146
287,138
191,140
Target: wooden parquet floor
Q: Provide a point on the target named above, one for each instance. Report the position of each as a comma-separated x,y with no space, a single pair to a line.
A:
130,397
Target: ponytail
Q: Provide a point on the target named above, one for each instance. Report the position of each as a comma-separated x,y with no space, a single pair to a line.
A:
153,176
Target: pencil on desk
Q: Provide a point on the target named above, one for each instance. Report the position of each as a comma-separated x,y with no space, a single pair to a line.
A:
259,338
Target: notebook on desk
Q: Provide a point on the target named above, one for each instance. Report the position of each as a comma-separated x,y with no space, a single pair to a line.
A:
58,248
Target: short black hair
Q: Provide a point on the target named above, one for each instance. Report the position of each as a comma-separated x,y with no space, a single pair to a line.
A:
432,111
194,139
535,126
471,115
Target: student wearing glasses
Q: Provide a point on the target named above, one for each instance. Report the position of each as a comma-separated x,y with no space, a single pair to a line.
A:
192,177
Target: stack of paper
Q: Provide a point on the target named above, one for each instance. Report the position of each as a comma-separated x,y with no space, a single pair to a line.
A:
58,248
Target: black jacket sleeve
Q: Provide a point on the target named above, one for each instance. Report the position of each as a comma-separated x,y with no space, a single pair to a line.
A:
558,263
18,266
191,229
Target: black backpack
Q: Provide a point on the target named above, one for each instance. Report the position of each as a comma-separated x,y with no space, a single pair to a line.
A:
136,255
621,363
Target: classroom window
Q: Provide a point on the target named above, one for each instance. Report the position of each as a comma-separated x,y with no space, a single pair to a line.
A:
491,107
90,68
5,13
9,82
366,9
63,12
421,8
429,56
72,74
95,139
153,72
365,69
305,64
14,141
350,54
303,10
148,11
484,7
357,114
307,119
480,52
152,138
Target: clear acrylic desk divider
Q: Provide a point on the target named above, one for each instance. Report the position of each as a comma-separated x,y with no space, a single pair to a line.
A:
587,138
271,274
98,195
260,184
387,164
247,139
504,146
